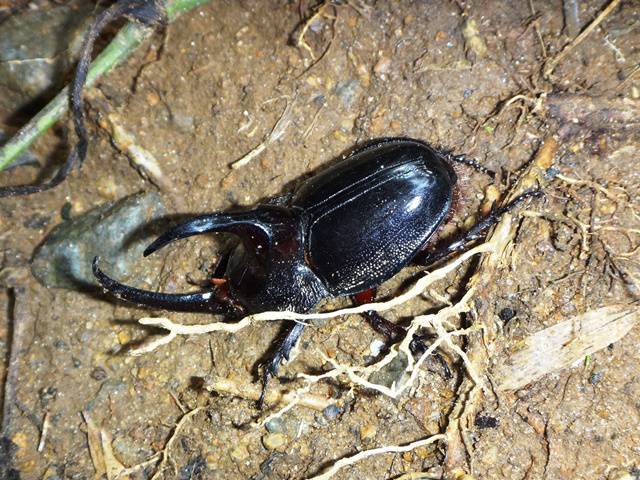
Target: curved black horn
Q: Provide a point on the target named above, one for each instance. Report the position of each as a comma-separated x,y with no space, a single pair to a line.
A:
206,301
247,225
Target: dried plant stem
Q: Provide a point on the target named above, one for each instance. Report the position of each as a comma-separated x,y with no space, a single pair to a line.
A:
123,44
226,386
172,439
276,133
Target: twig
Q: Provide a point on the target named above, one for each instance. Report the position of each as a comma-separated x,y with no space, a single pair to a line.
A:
45,430
141,158
95,444
140,466
172,439
628,78
123,44
311,126
345,462
536,28
552,63
21,321
276,132
225,386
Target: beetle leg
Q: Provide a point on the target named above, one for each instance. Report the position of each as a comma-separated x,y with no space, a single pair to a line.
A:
394,332
419,346
271,366
391,331
474,233
213,301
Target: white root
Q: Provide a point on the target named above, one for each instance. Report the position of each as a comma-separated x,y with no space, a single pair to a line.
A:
345,462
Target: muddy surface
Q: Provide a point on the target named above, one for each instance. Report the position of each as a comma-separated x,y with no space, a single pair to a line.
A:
201,95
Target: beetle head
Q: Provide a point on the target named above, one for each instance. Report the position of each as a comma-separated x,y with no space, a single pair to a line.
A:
266,271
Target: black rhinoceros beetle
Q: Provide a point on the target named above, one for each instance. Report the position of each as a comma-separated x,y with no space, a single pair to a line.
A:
342,233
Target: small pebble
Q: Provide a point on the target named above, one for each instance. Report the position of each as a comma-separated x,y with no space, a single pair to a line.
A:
506,314
376,347
486,421
347,92
98,374
595,378
124,338
184,123
202,180
20,439
274,425
240,453
331,412
382,66
153,99
48,394
368,432
274,441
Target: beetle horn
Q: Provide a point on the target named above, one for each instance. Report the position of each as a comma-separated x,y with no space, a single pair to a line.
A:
185,302
244,224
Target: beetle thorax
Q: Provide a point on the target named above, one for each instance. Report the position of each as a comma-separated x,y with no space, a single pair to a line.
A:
275,276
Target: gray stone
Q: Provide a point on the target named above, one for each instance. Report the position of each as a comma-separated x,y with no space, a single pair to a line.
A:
331,412
37,48
347,91
275,425
392,372
117,232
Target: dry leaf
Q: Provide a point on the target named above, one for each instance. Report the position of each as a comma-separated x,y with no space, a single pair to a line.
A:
564,344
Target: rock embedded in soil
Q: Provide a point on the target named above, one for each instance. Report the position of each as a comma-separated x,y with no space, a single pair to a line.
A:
392,372
274,441
115,231
331,412
37,47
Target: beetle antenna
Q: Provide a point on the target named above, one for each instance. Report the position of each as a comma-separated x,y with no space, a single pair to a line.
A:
472,163
186,302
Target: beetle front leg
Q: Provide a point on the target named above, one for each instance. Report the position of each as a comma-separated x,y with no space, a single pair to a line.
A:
474,233
271,366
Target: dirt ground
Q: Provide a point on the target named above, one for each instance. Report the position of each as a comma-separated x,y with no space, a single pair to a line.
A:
467,76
